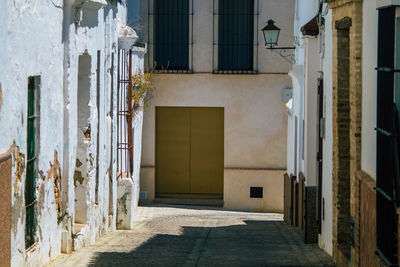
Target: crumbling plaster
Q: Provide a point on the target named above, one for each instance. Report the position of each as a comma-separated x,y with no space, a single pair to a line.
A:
129,188
29,50
92,31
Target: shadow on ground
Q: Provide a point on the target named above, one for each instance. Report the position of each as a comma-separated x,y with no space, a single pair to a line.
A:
192,207
255,243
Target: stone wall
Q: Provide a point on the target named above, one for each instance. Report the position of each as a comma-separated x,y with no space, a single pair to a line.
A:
346,16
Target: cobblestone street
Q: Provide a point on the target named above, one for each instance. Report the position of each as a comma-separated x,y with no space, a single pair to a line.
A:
199,236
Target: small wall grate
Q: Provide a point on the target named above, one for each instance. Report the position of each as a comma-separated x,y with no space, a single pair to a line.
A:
256,192
143,195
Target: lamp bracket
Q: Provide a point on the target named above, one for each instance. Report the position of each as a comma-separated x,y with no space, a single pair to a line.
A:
283,52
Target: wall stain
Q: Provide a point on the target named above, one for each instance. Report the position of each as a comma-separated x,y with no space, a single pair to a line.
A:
78,163
55,174
78,177
19,159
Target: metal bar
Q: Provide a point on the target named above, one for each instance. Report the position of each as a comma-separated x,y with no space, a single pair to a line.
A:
383,257
213,53
384,194
192,48
386,69
258,16
31,204
150,41
282,48
386,133
129,118
32,159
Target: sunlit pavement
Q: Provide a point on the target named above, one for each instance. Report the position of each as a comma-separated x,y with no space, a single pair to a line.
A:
167,235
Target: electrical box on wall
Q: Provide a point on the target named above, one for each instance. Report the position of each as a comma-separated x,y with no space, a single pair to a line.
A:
287,94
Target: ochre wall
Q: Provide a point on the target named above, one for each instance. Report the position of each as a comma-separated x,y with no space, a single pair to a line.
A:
5,209
255,129
237,185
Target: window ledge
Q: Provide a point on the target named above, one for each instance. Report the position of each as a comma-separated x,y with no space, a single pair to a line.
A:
235,72
387,3
170,71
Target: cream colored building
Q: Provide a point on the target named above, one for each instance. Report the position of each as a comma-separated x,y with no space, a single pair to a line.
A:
201,156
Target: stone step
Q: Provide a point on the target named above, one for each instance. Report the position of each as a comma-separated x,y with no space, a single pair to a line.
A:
190,201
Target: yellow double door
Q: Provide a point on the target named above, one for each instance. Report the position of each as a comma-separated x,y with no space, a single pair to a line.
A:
189,152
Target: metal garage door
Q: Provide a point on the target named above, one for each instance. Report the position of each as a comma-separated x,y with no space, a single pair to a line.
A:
189,152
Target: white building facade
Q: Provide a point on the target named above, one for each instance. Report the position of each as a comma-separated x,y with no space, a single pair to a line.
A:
59,105
310,116
226,97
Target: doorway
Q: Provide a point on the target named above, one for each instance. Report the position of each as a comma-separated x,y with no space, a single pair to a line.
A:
189,152
83,140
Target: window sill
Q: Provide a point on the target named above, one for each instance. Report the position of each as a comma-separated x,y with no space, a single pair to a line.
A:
235,72
167,71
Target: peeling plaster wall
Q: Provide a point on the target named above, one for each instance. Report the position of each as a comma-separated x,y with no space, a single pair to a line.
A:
129,188
28,50
97,30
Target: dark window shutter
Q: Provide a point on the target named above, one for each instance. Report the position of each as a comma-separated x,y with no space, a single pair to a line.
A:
235,34
171,34
385,196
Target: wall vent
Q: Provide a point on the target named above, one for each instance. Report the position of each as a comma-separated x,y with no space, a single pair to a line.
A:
256,192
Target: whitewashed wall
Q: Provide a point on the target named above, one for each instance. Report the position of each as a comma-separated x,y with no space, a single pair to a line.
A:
311,73
303,76
28,50
96,30
369,81
325,239
128,188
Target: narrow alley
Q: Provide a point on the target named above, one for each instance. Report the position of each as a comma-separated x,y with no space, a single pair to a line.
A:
200,236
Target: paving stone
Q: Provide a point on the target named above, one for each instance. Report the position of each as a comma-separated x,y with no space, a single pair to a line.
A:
200,236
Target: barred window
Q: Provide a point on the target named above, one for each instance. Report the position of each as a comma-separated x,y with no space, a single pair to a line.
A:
32,159
235,34
387,173
171,34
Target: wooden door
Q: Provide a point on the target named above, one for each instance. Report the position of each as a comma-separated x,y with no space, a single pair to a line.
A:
173,150
189,152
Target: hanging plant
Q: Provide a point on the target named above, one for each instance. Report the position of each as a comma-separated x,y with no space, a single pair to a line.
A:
143,89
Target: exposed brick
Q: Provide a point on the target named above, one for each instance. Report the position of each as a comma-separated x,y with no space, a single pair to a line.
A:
347,44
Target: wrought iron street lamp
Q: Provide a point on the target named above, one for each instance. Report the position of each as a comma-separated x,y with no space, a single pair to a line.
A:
271,36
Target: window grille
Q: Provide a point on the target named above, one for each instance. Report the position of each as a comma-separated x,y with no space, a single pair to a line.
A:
98,95
387,141
237,23
31,162
172,19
